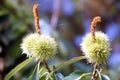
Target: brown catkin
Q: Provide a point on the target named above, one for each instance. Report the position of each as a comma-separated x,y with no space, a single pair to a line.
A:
93,25
36,18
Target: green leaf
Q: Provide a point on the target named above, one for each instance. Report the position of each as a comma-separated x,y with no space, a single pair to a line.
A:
73,76
70,62
105,77
59,76
43,76
48,76
86,76
99,74
42,70
17,68
53,76
35,73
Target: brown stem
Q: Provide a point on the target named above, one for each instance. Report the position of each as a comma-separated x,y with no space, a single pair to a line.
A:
46,65
93,25
94,75
36,16
97,74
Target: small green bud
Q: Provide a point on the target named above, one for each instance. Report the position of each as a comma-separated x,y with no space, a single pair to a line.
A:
98,51
39,46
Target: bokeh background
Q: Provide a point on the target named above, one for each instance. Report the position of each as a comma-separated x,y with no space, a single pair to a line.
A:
66,20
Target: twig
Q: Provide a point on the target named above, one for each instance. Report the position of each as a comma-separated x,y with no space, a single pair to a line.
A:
46,65
97,74
94,75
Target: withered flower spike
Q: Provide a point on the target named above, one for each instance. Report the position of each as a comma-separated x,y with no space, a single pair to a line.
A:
36,17
93,25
